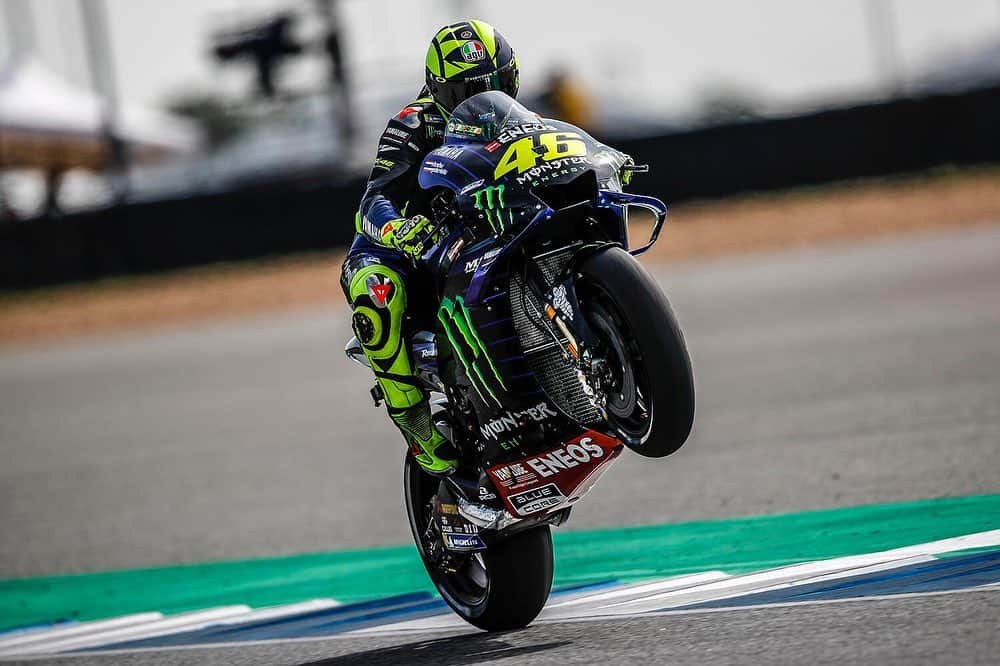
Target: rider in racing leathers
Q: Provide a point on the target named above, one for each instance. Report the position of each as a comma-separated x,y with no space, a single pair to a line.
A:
379,277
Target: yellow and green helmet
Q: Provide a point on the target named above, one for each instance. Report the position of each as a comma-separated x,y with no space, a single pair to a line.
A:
468,58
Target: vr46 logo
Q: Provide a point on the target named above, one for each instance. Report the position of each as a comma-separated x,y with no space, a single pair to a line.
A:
524,153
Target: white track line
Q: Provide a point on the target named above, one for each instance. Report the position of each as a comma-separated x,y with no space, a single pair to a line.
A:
833,568
286,610
149,624
644,598
641,589
746,584
167,625
859,571
467,629
76,629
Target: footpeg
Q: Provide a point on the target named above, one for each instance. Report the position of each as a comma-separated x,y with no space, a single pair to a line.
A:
377,395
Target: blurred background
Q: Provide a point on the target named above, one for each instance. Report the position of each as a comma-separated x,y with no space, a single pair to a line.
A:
143,136
178,182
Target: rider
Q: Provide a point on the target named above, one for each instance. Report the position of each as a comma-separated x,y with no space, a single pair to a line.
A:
463,59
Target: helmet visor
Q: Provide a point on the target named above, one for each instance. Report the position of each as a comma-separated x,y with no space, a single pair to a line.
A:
450,94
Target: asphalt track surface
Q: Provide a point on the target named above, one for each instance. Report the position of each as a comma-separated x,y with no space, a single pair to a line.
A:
849,374
941,629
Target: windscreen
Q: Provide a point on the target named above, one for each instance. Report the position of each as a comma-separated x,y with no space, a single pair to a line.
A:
480,118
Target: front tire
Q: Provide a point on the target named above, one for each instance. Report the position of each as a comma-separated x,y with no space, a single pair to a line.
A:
628,311
503,587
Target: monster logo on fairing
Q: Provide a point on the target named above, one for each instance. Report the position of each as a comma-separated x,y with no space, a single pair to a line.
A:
469,348
493,206
511,421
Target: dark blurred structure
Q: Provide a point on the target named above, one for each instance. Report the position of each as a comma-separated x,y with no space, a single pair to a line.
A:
727,105
265,45
217,121
308,214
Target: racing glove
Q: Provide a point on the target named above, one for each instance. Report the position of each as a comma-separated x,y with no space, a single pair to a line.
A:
409,236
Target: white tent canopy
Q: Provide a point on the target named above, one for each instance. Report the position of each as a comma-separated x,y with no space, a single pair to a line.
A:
46,121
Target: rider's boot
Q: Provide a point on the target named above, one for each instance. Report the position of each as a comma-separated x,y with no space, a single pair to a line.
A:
428,446
378,296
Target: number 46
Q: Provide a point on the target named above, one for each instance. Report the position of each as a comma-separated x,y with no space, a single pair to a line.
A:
523,154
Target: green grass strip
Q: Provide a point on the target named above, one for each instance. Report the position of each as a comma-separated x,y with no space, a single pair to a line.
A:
733,545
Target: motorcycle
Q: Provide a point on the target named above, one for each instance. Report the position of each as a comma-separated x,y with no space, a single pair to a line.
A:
551,349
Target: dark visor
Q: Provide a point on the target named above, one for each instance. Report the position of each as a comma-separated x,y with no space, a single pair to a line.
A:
450,94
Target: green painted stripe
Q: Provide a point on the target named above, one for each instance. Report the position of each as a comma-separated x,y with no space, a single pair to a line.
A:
733,545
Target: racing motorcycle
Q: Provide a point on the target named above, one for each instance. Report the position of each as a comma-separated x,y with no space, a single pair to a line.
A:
549,350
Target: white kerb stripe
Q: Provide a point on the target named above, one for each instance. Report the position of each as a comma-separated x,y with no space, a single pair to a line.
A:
286,610
168,625
672,583
77,629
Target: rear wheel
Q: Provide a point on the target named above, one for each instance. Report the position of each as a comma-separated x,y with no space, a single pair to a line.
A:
647,378
502,587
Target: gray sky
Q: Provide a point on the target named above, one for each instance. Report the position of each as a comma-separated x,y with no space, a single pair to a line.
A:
661,56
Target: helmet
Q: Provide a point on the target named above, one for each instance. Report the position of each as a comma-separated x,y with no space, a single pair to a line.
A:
468,58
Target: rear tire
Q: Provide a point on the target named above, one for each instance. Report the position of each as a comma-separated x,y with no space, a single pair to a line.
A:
660,364
518,569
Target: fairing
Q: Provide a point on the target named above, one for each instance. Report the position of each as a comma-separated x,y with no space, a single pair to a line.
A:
496,164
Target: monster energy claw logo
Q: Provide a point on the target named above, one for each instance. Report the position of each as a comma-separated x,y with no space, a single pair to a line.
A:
493,206
469,348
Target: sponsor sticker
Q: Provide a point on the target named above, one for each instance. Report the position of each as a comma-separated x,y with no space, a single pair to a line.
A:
382,163
537,499
513,420
464,542
471,266
513,474
380,290
410,116
449,152
561,302
473,51
462,128
471,186
548,170
517,131
492,146
397,132
565,457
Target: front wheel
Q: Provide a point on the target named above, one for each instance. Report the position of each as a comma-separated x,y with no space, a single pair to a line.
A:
646,377
503,587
